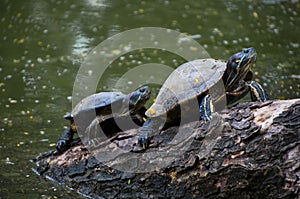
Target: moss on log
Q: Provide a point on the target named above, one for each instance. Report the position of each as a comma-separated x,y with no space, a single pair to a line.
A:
251,151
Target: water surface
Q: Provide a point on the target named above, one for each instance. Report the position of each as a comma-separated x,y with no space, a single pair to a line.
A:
43,43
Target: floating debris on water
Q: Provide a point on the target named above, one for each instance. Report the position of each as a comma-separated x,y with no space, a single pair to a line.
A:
12,101
7,161
255,15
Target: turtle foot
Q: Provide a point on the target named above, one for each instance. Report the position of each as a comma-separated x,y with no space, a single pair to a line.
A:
206,118
147,131
144,141
62,146
64,141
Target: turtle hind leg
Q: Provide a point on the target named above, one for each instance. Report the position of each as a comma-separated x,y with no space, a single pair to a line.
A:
63,143
94,134
206,108
257,92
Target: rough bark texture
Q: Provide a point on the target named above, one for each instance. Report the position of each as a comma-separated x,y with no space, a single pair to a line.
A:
251,151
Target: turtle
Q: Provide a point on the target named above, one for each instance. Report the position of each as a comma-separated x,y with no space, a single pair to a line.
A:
198,87
102,107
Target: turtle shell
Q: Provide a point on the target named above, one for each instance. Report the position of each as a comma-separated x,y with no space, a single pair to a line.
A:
188,81
99,102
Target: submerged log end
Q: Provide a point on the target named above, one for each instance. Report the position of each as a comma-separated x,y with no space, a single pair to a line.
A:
254,152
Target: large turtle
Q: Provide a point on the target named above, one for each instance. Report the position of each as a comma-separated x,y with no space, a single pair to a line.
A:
101,107
196,87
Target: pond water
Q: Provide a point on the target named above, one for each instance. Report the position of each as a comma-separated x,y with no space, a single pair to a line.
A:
43,43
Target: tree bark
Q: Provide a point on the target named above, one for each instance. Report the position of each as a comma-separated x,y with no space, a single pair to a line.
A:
251,150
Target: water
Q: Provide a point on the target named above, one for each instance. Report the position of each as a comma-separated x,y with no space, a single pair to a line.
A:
43,43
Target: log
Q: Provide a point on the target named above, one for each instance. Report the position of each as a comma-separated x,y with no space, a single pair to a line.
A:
251,150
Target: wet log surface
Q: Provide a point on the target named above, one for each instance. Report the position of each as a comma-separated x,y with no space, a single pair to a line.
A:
250,151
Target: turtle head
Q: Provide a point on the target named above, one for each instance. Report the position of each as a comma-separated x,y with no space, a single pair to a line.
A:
238,66
138,98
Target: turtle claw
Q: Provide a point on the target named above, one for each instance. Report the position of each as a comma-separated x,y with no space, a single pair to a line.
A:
206,118
61,146
144,142
63,143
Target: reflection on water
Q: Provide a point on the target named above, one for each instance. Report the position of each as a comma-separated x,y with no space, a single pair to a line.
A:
278,1
97,3
43,43
81,45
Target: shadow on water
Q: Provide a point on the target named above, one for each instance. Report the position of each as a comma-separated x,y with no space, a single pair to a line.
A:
44,42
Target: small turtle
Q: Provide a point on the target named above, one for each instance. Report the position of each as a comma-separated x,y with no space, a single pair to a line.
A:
102,107
197,84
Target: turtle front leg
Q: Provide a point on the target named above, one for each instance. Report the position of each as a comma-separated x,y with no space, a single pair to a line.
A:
206,108
63,143
151,126
237,94
257,92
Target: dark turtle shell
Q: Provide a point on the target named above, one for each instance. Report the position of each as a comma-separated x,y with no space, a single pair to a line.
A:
185,83
99,102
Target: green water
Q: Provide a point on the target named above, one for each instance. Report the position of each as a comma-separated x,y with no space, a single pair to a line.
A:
42,44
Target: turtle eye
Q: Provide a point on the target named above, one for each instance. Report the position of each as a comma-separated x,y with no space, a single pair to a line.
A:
246,50
142,90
